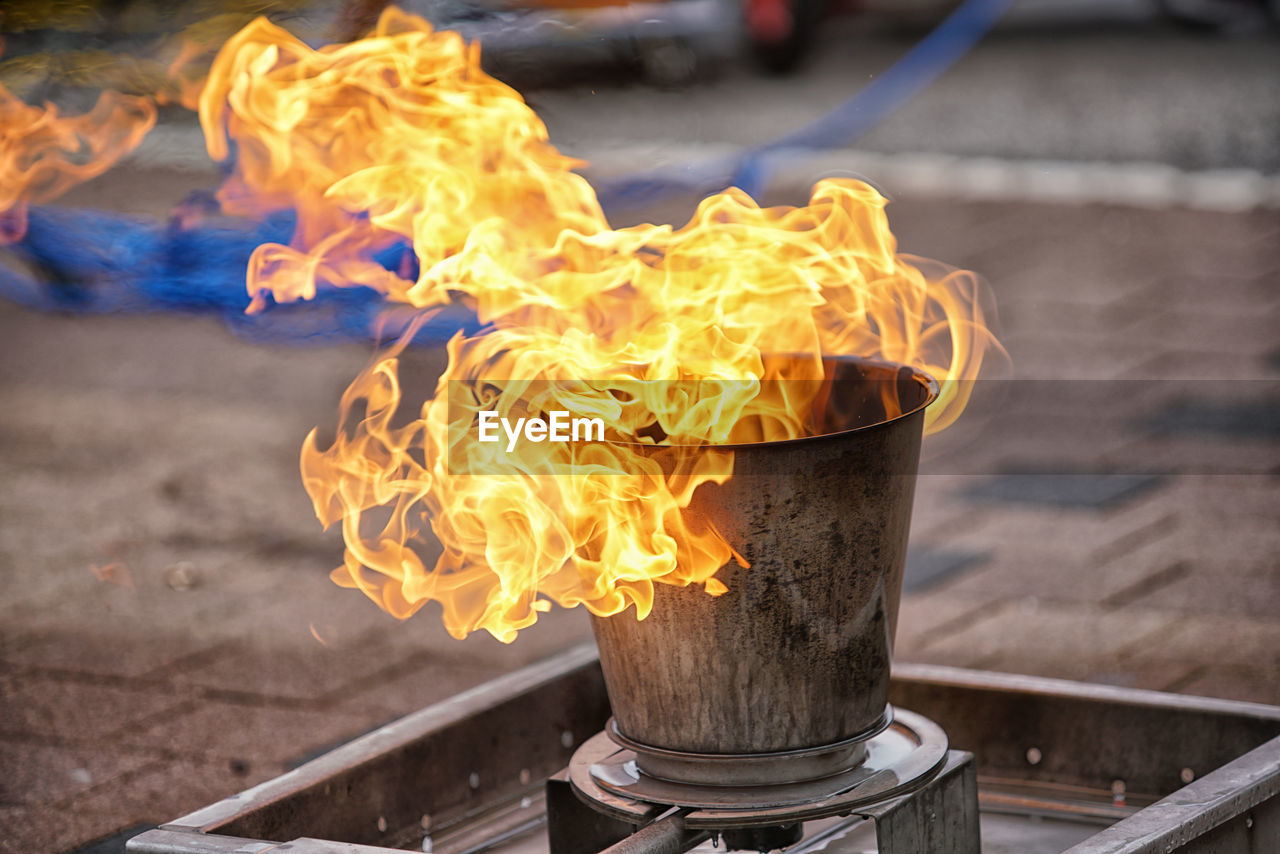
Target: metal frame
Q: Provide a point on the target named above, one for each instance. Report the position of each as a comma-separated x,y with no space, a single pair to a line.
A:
940,817
478,761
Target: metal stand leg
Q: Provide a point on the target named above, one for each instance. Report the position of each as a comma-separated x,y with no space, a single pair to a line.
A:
575,828
941,818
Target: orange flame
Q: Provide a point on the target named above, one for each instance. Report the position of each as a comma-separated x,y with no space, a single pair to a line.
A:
43,153
664,334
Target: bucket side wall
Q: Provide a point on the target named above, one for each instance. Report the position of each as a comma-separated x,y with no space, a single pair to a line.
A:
797,653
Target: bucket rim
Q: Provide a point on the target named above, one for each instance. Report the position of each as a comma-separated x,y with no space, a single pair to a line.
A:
932,391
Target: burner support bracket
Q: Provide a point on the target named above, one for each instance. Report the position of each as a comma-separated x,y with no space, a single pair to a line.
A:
941,817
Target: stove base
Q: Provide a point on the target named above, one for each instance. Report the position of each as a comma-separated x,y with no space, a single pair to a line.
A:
901,759
719,770
940,816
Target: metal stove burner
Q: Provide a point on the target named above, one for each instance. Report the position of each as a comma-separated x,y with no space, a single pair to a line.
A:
750,769
900,759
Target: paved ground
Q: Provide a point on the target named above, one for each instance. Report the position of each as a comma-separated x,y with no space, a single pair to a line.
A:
168,634
1101,91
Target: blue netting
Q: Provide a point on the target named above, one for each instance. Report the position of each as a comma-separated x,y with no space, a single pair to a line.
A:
750,169
96,261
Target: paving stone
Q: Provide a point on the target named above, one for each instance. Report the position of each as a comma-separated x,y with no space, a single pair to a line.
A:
1213,640
151,796
1027,636
923,227
35,773
1205,235
1211,503
1246,332
938,512
218,571
106,629
1146,675
1070,356
124,654
21,828
36,705
413,688
301,607
1257,417
30,581
424,634
1051,263
1029,312
1196,582
1155,553
298,674
1198,456
555,630
227,731
114,843
1053,425
1013,529
1076,491
1219,590
1073,581
923,616
1232,294
1194,363
316,642
1076,401
293,382
1255,683
1044,446
927,567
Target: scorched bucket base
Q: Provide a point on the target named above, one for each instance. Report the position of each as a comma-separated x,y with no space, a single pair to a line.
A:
900,759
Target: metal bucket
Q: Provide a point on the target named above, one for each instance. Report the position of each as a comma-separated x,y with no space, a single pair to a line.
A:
793,661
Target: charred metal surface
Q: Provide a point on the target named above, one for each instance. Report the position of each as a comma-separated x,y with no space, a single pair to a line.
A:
796,653
763,838
455,758
166,841
1235,808
1077,727
751,769
901,760
942,818
1082,734
575,828
666,835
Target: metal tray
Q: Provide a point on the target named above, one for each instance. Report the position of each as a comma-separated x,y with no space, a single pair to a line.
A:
1061,765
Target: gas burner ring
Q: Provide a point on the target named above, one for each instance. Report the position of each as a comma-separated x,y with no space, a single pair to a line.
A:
899,760
750,769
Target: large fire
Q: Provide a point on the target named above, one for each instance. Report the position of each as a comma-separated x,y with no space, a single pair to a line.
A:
667,335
